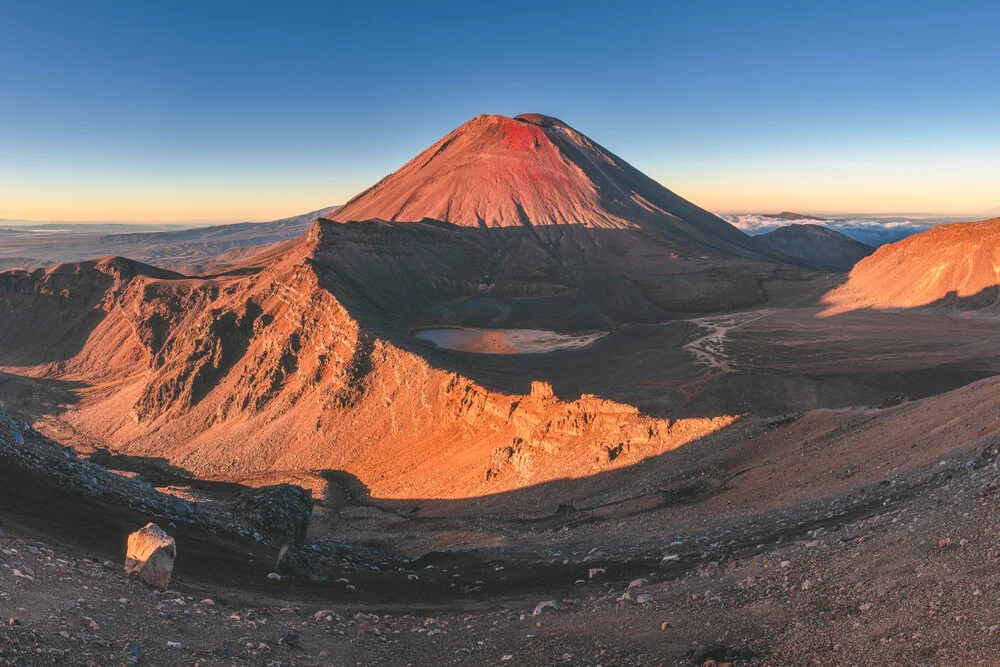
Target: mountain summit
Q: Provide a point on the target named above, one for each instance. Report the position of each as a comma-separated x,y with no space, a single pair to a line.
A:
536,171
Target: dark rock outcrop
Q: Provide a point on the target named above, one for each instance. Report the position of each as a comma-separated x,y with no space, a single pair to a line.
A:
279,513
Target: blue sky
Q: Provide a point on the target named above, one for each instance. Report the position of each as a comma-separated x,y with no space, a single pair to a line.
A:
195,111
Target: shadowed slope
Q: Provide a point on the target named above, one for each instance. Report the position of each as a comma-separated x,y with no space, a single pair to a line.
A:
815,246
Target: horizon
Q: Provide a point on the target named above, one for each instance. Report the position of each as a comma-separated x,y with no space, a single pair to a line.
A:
249,121
830,217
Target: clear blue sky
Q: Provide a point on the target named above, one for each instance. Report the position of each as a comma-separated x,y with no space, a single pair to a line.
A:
228,111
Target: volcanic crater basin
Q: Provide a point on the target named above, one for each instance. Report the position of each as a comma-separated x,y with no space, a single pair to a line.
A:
506,341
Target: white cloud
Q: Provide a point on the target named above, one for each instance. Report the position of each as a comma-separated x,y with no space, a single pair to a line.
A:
873,230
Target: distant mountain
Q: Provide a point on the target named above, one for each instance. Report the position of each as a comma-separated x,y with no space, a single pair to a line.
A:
188,249
815,246
20,262
789,215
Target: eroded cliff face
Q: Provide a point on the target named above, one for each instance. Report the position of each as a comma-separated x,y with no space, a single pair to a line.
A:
267,370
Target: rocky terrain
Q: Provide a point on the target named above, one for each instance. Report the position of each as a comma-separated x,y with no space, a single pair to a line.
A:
901,576
815,246
265,371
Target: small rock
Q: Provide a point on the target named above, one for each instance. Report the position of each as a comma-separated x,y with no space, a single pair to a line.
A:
275,576
290,640
636,583
632,595
547,604
133,652
151,554
866,606
182,509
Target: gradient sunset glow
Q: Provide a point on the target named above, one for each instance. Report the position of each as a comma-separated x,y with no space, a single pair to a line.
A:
191,112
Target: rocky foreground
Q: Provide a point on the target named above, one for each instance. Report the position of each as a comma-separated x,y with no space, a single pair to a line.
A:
913,583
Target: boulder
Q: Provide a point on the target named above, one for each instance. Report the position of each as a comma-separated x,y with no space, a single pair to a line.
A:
151,554
280,513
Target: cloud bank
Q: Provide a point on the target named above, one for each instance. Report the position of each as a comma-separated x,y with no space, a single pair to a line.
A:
873,230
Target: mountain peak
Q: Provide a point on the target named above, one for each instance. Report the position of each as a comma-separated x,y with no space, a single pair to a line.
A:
536,171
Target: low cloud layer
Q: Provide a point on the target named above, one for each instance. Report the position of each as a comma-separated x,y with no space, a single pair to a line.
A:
873,230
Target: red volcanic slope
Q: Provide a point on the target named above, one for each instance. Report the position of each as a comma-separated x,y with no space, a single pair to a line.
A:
955,266
535,170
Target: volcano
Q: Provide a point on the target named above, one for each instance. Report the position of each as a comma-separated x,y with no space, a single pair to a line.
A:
538,225
536,171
